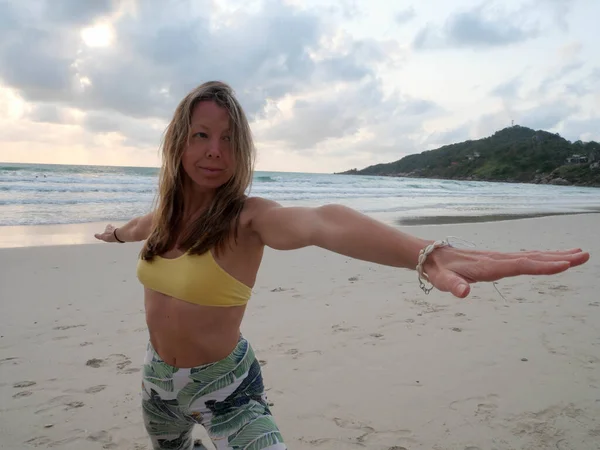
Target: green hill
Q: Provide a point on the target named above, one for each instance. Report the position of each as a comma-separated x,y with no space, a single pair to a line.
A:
514,154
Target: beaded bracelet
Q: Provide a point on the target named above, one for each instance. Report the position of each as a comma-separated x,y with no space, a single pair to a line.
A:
423,254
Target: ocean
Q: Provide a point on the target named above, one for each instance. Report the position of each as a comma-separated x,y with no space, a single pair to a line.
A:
42,194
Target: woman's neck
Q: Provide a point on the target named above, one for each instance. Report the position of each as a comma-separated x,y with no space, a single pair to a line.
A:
195,202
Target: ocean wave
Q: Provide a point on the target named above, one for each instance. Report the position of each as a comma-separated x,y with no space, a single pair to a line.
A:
67,201
267,179
78,180
76,189
82,170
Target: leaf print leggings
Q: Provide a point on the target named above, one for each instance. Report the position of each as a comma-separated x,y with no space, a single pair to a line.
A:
226,397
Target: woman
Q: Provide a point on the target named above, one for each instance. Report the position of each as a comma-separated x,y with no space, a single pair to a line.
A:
204,245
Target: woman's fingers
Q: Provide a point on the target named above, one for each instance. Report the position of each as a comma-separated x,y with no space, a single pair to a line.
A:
102,236
492,270
527,253
573,258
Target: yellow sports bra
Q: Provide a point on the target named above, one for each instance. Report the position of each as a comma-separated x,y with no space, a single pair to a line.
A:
193,278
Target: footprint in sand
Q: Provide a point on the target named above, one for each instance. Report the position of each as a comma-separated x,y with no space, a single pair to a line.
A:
11,360
22,394
68,327
73,405
39,441
373,342
373,438
280,289
95,363
484,407
295,353
340,329
23,384
57,402
559,287
121,361
95,389
85,344
486,410
102,437
47,442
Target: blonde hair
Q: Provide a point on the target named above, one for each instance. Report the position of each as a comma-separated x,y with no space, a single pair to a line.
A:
219,223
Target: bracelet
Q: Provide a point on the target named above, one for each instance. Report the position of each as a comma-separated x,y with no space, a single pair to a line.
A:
115,235
423,254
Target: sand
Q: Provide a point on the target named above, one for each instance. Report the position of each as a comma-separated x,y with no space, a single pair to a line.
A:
354,354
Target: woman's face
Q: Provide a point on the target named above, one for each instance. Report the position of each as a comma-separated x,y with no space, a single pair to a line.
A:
208,158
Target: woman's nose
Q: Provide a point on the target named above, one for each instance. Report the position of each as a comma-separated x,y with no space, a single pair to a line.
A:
214,150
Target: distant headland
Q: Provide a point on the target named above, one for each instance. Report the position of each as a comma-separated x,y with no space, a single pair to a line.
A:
515,154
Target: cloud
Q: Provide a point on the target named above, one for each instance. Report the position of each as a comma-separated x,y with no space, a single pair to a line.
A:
152,67
77,12
479,28
508,89
50,113
587,129
549,82
546,116
571,50
446,137
405,15
587,84
139,133
561,9
264,55
269,52
346,112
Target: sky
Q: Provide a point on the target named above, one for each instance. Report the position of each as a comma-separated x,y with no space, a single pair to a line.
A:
328,85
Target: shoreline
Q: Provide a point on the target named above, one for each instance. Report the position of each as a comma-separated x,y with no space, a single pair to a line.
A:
457,220
22,236
17,236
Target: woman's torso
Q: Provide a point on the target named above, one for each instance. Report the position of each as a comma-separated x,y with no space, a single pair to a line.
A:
188,334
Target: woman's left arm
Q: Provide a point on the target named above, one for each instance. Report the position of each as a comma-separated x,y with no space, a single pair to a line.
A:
338,229
348,232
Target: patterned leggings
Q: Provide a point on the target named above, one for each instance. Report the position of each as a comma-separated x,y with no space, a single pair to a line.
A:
226,397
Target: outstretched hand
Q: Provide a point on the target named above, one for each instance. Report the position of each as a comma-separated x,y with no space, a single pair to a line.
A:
107,235
451,269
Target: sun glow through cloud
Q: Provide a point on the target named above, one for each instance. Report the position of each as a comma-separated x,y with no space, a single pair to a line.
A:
98,36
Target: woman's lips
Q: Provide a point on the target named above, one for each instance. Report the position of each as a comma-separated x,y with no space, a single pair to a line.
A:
210,170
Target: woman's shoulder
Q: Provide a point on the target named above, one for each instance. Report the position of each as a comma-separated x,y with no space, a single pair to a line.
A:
254,206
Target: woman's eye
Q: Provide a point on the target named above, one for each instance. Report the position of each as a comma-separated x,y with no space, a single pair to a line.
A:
201,135
227,138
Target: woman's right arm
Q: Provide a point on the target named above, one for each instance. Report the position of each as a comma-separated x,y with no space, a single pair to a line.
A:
137,229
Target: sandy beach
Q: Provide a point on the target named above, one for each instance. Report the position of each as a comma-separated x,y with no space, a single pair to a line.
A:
354,355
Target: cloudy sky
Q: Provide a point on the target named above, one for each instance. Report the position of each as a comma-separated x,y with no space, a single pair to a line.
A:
328,85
